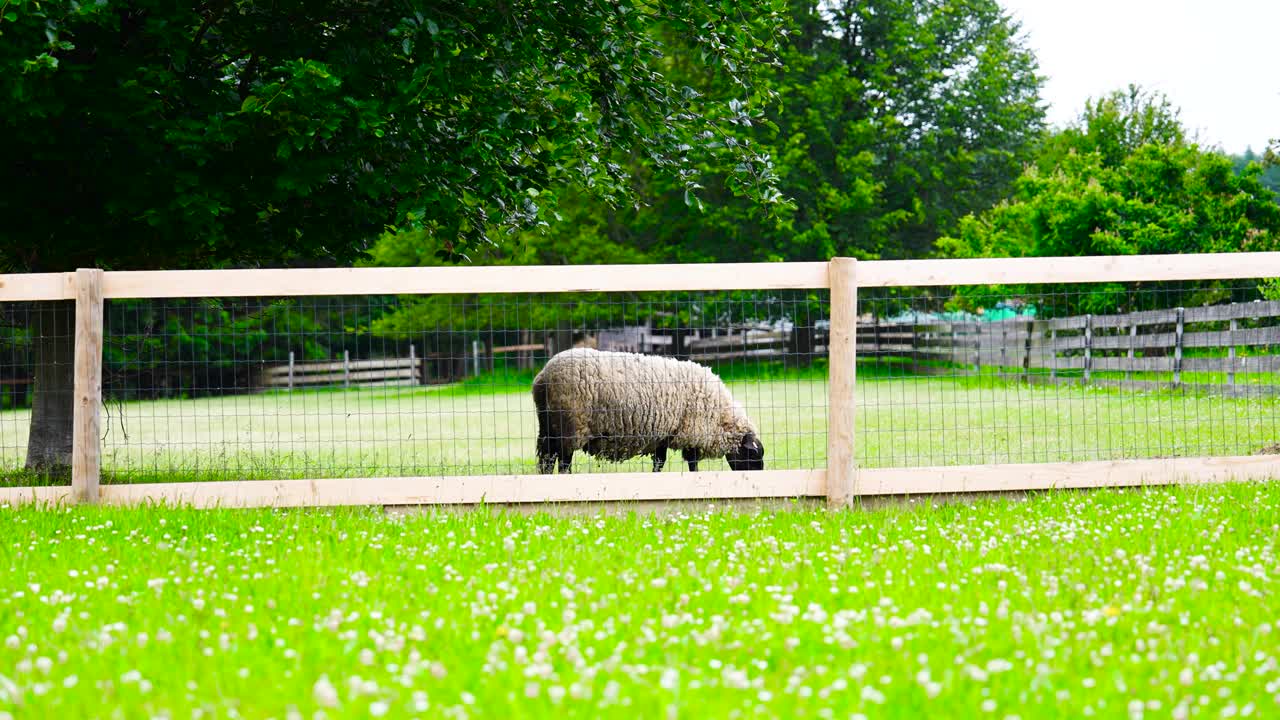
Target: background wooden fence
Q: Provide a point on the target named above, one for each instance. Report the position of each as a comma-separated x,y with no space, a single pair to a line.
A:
383,372
736,342
1109,350
1223,340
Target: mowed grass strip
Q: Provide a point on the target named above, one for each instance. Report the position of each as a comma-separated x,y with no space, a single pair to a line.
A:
1158,603
491,428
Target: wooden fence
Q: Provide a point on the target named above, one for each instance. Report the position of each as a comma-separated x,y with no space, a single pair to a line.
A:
721,344
385,372
839,481
1079,348
707,345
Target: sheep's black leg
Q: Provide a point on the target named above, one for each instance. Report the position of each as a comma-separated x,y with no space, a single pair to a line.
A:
691,456
548,449
548,446
566,458
546,464
660,457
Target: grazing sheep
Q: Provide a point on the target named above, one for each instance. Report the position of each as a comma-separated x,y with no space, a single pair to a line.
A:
616,406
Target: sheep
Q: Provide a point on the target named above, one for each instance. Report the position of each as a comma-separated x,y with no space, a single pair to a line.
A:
618,405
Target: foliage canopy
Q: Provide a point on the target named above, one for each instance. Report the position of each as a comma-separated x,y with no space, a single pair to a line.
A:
1126,181
149,133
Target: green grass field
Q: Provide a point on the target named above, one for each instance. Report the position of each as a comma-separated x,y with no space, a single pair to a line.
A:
488,426
1115,604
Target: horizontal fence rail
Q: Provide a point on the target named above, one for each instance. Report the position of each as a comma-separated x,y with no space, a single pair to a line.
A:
1067,349
1147,341
641,278
346,372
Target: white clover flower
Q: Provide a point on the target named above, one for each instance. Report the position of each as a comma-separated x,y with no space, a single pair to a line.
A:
871,694
325,694
999,665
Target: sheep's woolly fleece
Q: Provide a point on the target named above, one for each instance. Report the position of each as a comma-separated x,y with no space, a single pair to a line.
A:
625,404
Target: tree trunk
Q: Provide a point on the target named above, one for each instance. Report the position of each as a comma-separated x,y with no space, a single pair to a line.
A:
563,339
802,344
52,396
678,347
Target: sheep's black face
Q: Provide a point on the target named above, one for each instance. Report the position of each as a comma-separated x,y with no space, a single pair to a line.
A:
747,456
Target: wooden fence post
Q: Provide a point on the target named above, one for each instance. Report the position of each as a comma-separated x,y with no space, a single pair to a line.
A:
414,370
1004,351
86,438
842,369
1133,341
1231,352
1053,352
346,368
977,348
1088,348
290,371
915,349
1177,349
1026,352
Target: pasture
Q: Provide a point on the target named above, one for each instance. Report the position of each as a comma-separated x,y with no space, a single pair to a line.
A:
488,426
1154,603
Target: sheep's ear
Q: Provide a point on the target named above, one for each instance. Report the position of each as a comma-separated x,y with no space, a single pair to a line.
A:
752,442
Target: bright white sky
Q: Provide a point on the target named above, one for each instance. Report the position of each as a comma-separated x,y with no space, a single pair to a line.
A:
1217,60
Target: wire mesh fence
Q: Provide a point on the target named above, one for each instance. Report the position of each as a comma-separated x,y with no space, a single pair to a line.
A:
36,349
1087,372
259,388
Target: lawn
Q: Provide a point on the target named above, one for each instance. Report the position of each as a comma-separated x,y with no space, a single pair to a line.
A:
489,427
1155,603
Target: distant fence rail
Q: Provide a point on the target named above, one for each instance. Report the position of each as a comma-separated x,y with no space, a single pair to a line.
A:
347,372
1078,348
761,341
1072,343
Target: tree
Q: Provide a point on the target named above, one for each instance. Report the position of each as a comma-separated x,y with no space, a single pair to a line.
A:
1269,171
894,119
1107,196
1116,125
152,134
